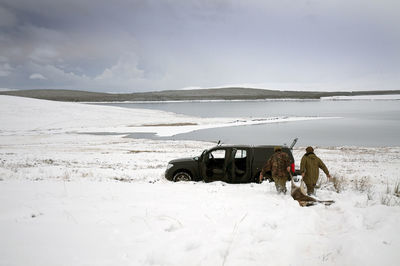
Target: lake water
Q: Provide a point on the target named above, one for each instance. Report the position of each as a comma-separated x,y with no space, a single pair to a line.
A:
362,122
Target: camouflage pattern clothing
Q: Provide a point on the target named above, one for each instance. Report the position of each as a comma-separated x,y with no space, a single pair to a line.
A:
278,164
309,167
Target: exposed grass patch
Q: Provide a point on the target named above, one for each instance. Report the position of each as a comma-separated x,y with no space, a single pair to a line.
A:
170,125
123,179
389,197
138,151
336,184
48,161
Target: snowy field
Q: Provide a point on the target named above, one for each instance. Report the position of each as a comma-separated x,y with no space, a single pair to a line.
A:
364,97
69,198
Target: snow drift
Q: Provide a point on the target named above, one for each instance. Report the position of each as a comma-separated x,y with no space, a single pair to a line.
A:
78,199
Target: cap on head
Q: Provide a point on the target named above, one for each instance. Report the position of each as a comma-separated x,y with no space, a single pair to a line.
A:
309,149
277,148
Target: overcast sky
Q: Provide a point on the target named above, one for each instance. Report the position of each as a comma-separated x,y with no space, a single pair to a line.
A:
128,46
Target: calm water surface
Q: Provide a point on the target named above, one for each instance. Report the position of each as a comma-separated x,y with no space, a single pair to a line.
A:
362,123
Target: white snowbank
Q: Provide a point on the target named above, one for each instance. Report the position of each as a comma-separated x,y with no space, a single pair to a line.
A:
77,199
364,97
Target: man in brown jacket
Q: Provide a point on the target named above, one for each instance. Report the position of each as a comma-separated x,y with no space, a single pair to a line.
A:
309,168
279,165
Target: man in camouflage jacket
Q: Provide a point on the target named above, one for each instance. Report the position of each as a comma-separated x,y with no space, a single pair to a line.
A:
309,167
279,165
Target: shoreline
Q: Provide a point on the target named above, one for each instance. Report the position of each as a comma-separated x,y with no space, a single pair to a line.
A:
382,97
207,101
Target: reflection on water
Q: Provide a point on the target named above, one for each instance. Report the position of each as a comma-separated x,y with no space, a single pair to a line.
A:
363,123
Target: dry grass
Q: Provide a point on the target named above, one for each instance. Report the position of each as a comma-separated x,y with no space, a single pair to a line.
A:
370,195
123,179
66,176
390,200
138,151
170,125
392,195
339,183
396,190
385,200
362,185
387,188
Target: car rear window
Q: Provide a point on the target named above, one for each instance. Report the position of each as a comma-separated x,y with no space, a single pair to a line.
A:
240,154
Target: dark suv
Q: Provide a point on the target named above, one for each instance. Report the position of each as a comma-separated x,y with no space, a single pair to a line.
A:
228,163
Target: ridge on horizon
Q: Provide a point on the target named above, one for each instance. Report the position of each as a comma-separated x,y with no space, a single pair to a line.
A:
225,93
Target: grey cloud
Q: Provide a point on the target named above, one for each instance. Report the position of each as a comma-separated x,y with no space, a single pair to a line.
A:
147,45
37,76
5,70
7,19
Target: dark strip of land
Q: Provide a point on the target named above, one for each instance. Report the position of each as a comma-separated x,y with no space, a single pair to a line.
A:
184,95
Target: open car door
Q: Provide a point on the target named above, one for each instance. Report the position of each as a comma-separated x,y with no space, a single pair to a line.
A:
230,165
213,165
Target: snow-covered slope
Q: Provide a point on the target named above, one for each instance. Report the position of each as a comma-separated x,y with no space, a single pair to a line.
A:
31,116
76,199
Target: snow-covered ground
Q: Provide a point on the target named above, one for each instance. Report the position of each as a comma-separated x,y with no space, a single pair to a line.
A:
364,97
68,198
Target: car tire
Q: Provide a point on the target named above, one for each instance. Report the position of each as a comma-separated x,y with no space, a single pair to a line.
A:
182,176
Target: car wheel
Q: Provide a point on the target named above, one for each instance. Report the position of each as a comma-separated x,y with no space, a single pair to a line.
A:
182,176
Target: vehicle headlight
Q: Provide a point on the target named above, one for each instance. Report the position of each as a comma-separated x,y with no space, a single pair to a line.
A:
169,166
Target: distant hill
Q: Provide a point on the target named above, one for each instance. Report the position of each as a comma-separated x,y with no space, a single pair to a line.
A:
181,95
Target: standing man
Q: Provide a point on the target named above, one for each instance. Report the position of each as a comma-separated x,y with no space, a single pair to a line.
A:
279,165
309,168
